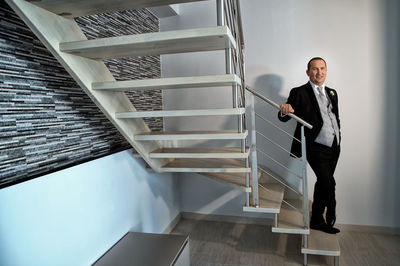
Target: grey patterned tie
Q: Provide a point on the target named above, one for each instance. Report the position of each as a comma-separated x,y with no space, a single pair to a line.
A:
321,94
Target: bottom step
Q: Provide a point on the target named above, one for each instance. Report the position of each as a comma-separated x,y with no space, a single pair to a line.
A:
320,243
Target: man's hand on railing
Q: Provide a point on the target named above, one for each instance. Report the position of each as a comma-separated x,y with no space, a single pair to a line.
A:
286,108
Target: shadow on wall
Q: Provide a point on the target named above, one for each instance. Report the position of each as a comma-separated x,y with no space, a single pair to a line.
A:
271,85
391,121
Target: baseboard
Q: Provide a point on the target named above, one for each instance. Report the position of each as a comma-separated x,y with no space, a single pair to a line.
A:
369,229
172,224
226,218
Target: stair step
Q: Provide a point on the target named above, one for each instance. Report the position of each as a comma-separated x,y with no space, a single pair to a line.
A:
173,113
320,243
269,201
154,43
200,152
191,135
206,166
290,221
237,180
169,83
78,8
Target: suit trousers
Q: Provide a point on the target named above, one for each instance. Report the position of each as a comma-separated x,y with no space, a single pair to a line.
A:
323,160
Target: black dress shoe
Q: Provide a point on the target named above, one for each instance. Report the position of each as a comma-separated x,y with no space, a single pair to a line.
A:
324,228
330,220
335,230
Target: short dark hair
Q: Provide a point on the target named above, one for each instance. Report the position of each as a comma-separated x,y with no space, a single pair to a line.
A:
315,58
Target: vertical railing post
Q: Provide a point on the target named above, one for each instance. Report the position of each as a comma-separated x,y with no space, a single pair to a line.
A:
305,185
220,13
253,150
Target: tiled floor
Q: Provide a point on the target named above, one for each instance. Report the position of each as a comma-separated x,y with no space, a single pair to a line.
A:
221,243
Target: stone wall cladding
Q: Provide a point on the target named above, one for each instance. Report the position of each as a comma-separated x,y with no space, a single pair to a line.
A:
47,122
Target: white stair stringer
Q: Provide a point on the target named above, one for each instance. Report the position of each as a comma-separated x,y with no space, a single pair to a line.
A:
52,30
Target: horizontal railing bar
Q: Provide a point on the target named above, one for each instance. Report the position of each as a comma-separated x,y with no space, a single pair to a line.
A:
284,131
276,144
277,179
262,97
279,163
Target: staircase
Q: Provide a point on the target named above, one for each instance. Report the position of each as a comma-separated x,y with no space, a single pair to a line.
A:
52,21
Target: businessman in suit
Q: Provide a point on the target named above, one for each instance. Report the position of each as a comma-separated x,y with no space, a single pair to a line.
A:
318,105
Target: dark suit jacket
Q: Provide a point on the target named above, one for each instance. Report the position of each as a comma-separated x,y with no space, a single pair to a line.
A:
305,106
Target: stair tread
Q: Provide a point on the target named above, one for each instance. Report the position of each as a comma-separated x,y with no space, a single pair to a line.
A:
78,8
154,43
290,221
237,180
269,201
320,243
191,135
169,83
205,165
200,152
174,113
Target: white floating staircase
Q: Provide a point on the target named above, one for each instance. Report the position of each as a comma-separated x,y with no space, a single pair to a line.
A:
52,21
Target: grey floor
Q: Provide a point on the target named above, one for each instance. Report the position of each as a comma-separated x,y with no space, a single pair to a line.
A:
221,243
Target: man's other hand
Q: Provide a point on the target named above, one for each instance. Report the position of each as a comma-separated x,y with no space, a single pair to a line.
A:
286,108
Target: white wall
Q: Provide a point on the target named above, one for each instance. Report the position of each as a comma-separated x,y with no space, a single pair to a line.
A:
74,216
356,38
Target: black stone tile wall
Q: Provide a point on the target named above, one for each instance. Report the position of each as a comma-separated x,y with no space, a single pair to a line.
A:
47,122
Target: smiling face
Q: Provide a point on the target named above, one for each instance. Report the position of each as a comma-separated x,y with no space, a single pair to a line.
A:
317,72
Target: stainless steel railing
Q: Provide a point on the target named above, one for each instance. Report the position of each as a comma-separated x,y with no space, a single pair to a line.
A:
302,174
265,99
228,13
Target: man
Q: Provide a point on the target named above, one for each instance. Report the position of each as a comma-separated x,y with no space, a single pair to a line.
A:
318,105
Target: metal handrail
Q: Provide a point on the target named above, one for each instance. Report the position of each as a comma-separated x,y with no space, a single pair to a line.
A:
295,117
